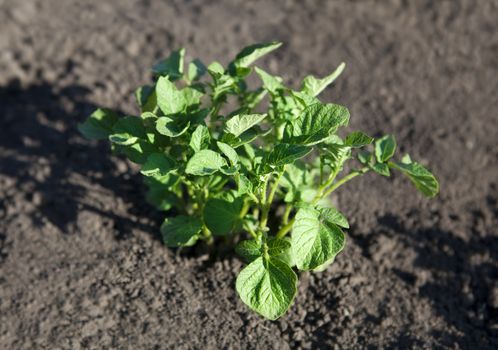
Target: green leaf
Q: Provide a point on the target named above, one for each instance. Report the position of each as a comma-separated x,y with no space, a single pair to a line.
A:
422,178
284,254
277,246
335,155
240,123
171,66
318,122
334,216
284,153
158,164
251,53
244,138
315,239
270,82
205,162
381,169
160,196
364,157
293,181
384,148
98,126
303,99
222,216
216,68
313,86
244,185
357,139
196,69
200,138
127,131
248,250
181,231
267,286
146,98
171,100
252,98
229,152
137,152
169,127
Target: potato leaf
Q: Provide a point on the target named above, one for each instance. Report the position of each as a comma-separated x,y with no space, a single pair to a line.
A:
171,66
251,53
222,216
200,138
268,286
181,231
422,178
317,123
99,124
313,86
385,148
205,162
285,153
158,164
315,239
238,124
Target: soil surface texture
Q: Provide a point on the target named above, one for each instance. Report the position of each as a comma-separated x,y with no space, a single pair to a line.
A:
81,262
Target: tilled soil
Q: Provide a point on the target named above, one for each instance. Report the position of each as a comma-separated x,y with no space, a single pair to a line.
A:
81,263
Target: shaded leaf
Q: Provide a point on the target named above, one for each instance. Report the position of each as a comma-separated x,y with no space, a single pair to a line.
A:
158,164
196,69
98,125
169,127
171,66
181,231
222,216
127,131
381,169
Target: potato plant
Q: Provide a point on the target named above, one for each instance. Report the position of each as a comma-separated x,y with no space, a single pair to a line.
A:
218,167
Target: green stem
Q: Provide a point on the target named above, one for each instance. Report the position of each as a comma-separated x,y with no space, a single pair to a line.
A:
345,179
288,209
285,229
267,203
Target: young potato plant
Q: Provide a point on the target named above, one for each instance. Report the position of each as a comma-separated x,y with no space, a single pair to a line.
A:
261,178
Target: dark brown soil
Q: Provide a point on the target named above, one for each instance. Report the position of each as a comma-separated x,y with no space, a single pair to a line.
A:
81,265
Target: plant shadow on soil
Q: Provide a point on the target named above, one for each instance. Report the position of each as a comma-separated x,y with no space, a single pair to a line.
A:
40,136
460,287
40,122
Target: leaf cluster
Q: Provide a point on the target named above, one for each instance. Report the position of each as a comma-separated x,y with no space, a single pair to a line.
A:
219,172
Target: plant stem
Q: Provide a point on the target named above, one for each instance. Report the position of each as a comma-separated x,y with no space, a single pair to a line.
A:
285,217
266,204
285,229
345,179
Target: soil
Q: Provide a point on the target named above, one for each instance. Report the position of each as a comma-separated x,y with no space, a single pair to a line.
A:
81,263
